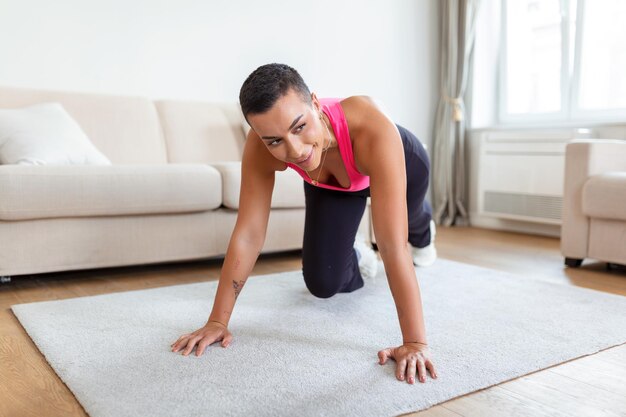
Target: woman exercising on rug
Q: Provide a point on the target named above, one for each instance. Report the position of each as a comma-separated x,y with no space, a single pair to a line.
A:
346,150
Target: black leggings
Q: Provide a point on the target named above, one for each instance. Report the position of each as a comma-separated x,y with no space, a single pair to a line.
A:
329,262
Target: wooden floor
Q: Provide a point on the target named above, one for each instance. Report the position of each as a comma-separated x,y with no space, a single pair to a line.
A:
591,386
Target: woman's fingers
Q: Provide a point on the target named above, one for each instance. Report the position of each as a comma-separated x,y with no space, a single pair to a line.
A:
384,354
179,339
202,345
401,369
431,368
226,340
410,364
421,370
180,343
201,338
190,345
410,374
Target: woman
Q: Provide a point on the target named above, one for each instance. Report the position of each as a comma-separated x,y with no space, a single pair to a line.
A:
346,150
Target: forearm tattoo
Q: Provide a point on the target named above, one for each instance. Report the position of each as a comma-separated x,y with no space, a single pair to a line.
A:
238,286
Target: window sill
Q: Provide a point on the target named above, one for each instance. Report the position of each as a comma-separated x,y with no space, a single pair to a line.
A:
545,124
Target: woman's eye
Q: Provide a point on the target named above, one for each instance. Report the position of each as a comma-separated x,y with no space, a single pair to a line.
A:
275,142
299,128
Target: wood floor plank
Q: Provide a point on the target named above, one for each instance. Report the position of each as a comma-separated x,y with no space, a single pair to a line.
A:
497,402
567,395
436,411
9,325
595,373
7,295
29,386
618,364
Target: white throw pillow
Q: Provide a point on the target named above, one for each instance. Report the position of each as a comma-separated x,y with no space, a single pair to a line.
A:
45,134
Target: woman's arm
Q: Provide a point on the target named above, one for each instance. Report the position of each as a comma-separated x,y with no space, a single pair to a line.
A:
246,242
379,153
389,216
257,183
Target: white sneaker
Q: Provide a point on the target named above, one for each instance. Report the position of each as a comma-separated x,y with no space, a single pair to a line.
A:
368,260
426,256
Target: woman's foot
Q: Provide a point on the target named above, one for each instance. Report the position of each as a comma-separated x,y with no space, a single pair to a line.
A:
368,260
426,256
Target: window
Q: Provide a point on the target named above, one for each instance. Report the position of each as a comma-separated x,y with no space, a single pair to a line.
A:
563,60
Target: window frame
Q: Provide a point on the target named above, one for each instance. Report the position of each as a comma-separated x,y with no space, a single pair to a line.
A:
570,111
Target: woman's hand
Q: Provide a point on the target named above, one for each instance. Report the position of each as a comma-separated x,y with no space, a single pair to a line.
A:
409,357
211,332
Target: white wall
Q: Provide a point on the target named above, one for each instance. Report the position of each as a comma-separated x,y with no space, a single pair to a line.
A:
193,49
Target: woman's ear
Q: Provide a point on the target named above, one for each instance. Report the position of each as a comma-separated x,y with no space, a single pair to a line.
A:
316,102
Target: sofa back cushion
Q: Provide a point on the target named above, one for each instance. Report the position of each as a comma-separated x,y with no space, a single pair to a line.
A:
125,129
201,132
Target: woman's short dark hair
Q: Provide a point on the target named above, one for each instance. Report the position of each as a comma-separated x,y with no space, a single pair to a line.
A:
267,84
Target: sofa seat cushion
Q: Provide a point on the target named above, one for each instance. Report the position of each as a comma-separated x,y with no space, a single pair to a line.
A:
604,196
35,192
288,188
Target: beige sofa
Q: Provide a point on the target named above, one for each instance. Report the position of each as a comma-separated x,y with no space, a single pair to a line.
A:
171,194
594,205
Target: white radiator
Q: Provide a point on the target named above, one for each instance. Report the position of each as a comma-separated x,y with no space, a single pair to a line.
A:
520,175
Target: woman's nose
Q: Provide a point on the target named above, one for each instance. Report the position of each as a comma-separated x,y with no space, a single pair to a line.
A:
295,149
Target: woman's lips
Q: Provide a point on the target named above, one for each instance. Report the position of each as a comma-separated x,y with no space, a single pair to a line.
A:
306,160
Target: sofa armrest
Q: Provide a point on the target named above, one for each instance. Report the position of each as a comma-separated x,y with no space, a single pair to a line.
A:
585,158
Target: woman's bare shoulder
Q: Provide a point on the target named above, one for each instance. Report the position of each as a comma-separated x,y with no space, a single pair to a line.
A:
358,104
362,113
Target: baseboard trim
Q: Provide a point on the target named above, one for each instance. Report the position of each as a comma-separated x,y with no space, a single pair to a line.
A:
518,226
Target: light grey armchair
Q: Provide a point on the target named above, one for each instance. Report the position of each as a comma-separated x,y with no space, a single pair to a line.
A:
594,202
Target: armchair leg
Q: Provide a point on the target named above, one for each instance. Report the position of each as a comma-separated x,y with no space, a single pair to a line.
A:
573,262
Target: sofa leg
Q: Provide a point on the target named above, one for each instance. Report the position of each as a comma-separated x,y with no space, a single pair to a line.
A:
5,279
611,266
573,262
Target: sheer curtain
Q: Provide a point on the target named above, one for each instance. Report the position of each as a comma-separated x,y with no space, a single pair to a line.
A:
448,174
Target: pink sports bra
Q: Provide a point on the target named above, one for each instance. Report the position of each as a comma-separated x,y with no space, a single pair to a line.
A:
332,108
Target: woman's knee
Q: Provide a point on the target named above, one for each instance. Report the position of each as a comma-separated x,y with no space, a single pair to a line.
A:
327,282
321,283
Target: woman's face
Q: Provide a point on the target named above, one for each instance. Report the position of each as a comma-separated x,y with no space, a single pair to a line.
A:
292,130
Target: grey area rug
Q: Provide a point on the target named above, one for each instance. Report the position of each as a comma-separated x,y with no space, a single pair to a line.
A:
294,354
